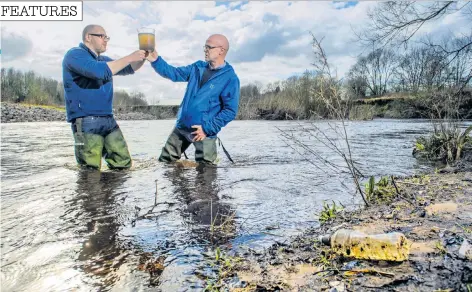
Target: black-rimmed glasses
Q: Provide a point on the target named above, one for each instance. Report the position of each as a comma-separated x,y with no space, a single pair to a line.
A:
101,35
207,47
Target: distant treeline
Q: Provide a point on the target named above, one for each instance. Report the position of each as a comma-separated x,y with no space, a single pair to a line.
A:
418,74
29,87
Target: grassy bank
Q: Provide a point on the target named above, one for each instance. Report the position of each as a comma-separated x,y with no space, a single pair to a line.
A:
285,106
47,107
433,212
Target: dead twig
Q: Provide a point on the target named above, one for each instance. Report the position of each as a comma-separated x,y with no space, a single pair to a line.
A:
395,185
399,194
354,272
410,183
155,198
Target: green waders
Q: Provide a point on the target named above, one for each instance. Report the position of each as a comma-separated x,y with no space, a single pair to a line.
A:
90,148
205,150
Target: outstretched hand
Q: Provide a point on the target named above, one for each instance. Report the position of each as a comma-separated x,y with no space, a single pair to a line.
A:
152,56
199,134
137,56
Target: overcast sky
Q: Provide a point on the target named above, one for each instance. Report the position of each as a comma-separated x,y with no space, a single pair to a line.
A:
269,41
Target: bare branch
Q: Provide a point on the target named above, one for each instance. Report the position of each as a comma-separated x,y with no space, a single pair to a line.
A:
401,20
328,92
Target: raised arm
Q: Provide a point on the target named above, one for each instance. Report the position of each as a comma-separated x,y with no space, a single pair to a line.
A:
132,59
80,62
176,74
129,69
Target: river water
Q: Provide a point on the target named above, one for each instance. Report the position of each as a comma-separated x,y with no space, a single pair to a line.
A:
65,229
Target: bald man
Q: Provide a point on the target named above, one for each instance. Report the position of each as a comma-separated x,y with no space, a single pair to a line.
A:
88,88
210,101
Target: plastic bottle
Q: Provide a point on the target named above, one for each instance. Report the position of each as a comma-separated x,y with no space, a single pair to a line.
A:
350,243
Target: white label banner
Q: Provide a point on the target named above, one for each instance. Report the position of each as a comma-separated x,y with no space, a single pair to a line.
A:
41,10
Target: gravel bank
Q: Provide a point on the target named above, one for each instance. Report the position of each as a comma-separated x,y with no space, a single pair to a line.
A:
19,113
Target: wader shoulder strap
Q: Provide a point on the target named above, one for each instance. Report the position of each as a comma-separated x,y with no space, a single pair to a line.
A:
224,150
78,125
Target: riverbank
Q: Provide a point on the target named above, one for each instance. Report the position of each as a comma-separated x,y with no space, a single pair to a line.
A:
360,110
20,113
434,212
283,106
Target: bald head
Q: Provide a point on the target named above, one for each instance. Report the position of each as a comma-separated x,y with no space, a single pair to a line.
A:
91,28
219,40
216,47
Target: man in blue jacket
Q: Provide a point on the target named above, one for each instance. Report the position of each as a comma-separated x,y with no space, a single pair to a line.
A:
210,102
88,89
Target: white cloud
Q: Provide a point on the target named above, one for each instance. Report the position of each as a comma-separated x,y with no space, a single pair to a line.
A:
339,5
269,41
213,11
127,5
233,4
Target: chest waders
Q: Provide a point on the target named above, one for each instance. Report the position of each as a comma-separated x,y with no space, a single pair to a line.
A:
90,148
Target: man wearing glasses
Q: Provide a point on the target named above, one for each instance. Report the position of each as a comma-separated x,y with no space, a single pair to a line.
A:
88,88
210,101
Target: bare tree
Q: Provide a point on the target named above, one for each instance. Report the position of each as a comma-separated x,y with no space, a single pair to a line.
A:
249,91
411,70
376,69
444,72
356,85
395,23
457,58
123,98
426,69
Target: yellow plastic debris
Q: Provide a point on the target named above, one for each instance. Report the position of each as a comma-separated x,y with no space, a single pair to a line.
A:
392,246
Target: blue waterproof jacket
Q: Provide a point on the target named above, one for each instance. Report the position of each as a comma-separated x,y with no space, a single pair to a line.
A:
88,83
213,105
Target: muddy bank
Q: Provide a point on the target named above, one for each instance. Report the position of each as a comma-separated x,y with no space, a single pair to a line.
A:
434,213
20,113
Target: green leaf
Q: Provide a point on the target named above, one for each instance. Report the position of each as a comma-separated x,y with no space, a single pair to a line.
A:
419,146
217,254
